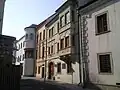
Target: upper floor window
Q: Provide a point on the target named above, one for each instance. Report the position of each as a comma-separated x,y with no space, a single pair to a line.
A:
61,43
52,49
21,45
26,36
31,36
67,17
58,27
48,50
40,36
43,34
37,38
20,57
57,47
39,52
67,41
43,49
51,32
62,23
102,24
73,16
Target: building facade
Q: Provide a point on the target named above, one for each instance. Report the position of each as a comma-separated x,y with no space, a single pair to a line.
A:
59,52
2,5
100,19
20,54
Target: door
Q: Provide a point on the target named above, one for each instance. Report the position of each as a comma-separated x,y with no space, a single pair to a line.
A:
42,72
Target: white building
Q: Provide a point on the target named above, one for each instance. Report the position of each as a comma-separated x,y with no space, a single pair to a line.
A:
25,54
30,50
101,21
2,5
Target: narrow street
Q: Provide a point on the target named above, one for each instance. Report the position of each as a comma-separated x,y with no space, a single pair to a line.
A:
33,84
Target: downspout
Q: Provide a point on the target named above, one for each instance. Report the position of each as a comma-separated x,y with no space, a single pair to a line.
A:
80,54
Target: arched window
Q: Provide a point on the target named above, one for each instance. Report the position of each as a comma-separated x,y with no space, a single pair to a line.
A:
31,36
26,36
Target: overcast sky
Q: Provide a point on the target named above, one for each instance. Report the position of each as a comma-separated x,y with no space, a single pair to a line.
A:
22,13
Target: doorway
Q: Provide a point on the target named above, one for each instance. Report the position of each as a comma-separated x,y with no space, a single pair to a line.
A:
51,70
42,72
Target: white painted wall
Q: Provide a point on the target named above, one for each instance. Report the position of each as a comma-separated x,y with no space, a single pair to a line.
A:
28,42
108,42
20,51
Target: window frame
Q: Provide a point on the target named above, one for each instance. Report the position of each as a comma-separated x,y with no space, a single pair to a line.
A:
67,43
111,63
43,34
62,22
59,67
61,44
31,36
96,24
66,18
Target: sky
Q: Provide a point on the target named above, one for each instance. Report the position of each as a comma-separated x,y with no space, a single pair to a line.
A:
19,14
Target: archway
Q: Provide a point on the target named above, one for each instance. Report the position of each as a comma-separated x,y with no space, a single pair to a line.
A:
50,70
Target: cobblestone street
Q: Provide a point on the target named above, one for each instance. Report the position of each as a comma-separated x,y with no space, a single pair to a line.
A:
34,84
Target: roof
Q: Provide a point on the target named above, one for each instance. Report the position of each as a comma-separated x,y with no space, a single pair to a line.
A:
31,26
45,21
87,4
20,39
63,6
53,19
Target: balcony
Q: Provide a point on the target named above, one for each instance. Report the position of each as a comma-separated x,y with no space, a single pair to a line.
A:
66,51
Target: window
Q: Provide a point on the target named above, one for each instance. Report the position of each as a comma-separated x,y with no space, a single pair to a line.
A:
58,27
26,36
36,53
57,46
39,52
62,23
39,70
69,66
104,63
23,56
67,17
40,36
73,16
59,68
43,52
51,32
61,43
48,50
31,36
20,57
29,54
102,25
52,49
73,40
21,45
67,41
43,34
37,38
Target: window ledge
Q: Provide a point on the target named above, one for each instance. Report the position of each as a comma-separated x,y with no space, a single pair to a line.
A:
102,33
65,48
105,73
64,25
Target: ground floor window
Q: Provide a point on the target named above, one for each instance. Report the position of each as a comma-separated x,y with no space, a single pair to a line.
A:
69,66
59,68
104,63
39,70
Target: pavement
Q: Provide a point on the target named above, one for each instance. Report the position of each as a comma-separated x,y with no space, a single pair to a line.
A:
32,83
